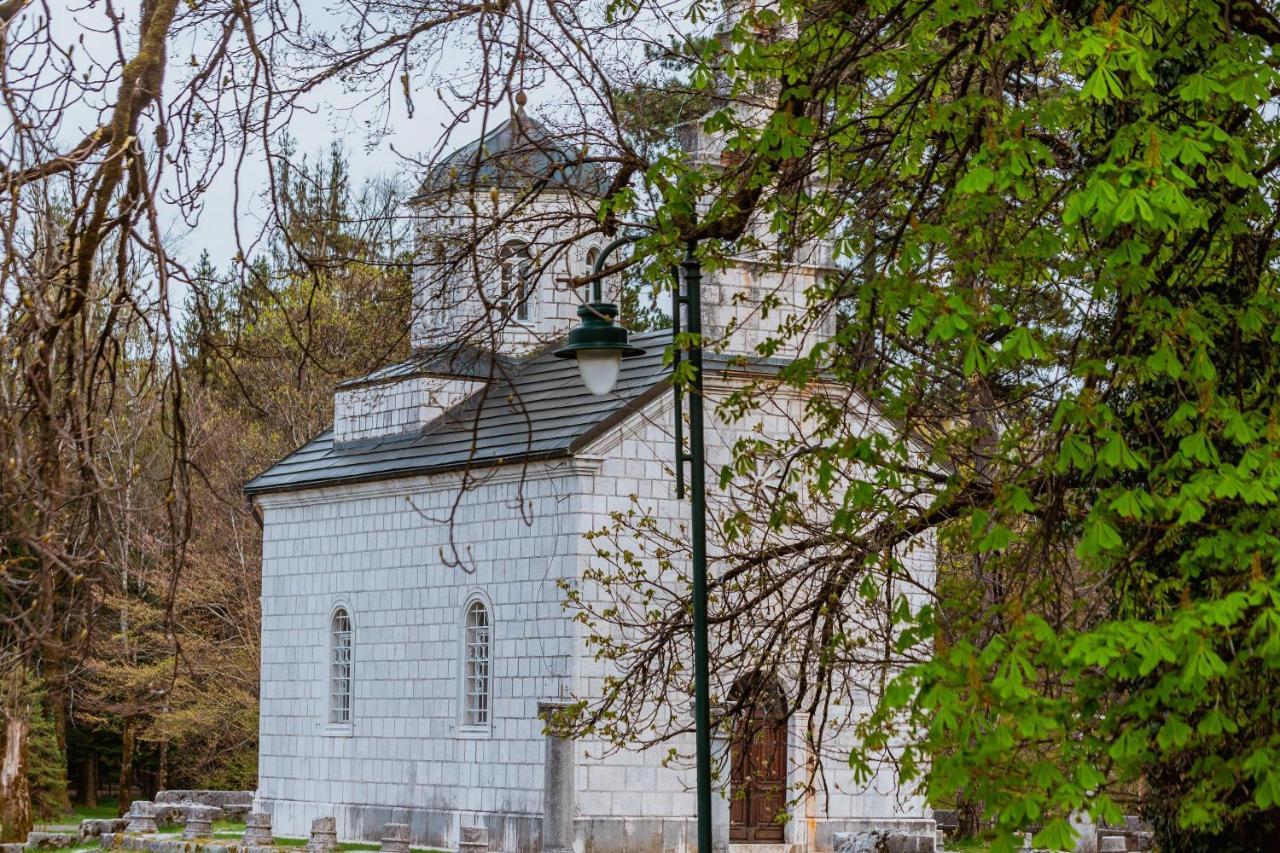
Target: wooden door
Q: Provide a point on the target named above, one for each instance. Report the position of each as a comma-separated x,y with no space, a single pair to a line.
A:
758,780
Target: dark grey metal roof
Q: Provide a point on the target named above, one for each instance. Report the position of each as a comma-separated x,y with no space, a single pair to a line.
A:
540,410
514,155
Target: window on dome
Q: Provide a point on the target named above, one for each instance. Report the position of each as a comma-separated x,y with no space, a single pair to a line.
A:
517,286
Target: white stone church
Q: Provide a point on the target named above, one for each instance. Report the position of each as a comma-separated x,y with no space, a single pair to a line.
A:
412,622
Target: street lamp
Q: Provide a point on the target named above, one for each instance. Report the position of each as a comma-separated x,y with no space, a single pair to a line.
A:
599,346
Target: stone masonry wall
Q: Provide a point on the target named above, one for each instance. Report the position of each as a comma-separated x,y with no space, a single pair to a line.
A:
633,787
387,552
383,551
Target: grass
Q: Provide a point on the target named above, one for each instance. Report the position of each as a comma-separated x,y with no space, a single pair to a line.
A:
223,830
968,845
105,808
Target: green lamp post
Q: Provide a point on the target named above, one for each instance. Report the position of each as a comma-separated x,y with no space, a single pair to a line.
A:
599,345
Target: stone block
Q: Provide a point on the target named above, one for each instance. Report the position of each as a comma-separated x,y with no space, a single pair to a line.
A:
1112,844
199,821
97,827
257,830
142,817
50,840
324,835
868,841
475,839
883,841
395,838
206,797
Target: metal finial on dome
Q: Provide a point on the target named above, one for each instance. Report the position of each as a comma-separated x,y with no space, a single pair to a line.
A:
521,99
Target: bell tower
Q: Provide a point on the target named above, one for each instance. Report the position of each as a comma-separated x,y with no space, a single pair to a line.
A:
493,221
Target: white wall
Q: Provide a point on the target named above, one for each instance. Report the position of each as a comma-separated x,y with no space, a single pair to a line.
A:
634,785
376,548
458,260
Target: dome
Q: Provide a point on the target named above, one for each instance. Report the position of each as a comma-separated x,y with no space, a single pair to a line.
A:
517,154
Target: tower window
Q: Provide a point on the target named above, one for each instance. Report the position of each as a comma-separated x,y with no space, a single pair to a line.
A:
596,290
517,272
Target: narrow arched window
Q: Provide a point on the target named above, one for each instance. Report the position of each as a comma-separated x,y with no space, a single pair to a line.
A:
596,288
475,665
340,647
517,271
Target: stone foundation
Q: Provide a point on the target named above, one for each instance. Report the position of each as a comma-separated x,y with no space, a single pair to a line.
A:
522,833
884,841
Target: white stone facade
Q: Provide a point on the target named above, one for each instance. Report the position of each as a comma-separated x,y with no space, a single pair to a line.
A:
404,557
459,277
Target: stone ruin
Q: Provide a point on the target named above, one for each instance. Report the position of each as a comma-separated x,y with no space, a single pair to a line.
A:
1135,834
879,841
395,838
324,835
96,827
199,821
233,805
257,830
142,817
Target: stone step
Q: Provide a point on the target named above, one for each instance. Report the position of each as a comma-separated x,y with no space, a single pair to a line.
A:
739,847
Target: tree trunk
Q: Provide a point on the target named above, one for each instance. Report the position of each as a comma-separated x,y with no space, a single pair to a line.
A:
968,817
126,768
57,703
162,779
15,793
89,781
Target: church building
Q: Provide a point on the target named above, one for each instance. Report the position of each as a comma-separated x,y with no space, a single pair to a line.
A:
413,627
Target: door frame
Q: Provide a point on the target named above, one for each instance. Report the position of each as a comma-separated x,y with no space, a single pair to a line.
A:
746,827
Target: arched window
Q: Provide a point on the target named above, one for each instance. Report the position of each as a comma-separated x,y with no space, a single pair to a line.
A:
517,270
596,288
340,647
475,665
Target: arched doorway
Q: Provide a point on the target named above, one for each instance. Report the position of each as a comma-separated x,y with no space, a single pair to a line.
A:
758,764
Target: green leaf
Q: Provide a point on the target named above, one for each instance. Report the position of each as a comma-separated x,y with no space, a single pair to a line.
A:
1174,734
977,180
1057,834
1099,537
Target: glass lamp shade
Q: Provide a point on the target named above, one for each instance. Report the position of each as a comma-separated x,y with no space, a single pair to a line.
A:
599,369
599,345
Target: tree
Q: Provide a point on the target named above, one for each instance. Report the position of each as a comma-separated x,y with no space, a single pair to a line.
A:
1058,244
1052,226
171,670
15,786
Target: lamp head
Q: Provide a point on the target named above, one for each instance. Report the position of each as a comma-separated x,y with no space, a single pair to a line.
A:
598,344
